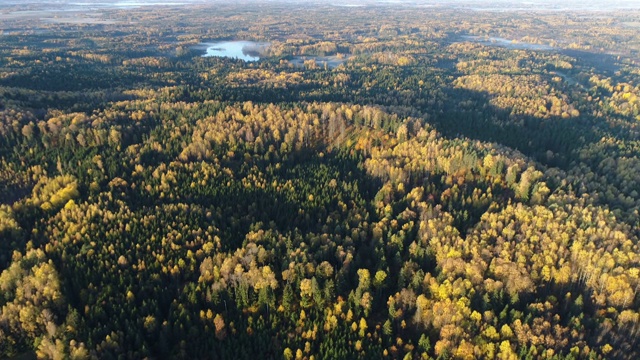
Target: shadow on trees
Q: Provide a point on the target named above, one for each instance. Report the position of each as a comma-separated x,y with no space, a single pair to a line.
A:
553,141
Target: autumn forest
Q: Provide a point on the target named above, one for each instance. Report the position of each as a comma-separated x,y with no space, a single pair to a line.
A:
375,182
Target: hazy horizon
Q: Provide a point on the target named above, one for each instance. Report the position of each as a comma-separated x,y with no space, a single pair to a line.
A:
507,5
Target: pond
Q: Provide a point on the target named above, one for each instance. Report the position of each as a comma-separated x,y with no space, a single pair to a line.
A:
331,62
243,50
502,42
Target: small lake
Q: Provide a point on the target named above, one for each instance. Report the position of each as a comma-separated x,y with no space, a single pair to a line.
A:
331,62
137,4
243,50
506,43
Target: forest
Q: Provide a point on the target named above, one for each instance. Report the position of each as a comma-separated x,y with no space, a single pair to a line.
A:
385,182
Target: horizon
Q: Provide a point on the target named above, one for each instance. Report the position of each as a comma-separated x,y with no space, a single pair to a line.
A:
504,5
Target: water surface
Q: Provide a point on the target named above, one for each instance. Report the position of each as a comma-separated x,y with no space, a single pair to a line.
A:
331,62
506,43
243,50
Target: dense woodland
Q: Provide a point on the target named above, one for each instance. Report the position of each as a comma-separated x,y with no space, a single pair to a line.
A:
430,197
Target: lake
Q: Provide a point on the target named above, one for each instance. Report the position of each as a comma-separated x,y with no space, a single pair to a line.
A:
243,50
502,42
331,62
